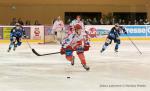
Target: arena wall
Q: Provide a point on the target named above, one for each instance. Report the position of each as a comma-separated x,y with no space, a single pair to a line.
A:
43,34
46,11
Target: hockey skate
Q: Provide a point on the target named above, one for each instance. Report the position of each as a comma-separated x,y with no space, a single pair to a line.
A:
116,50
9,49
15,46
86,67
102,50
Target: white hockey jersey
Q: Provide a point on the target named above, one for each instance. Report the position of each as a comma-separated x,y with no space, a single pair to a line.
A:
58,25
73,40
75,22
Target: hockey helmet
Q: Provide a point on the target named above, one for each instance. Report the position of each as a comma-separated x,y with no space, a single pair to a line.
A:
77,27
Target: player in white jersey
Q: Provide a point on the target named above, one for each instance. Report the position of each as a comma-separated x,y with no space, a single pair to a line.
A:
75,22
78,21
75,42
58,29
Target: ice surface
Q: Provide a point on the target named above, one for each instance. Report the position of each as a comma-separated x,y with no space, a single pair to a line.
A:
23,71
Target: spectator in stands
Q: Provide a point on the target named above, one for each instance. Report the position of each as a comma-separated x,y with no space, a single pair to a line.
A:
146,22
20,21
135,22
113,21
141,22
108,22
36,22
123,22
27,22
94,21
101,22
83,21
14,21
88,21
69,20
120,21
129,22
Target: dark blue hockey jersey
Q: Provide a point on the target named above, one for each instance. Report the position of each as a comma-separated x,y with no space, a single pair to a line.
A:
17,32
114,33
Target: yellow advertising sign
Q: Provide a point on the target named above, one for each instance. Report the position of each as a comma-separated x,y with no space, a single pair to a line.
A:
6,32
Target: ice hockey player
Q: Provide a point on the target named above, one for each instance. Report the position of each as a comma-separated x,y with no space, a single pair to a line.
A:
75,42
71,27
15,36
77,21
114,35
58,29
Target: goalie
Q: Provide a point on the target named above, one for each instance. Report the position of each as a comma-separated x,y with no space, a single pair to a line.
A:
58,30
75,42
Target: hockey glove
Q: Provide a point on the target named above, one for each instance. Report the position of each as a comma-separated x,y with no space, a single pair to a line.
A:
86,46
62,51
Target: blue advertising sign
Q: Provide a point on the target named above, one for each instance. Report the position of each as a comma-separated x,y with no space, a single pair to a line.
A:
148,31
136,30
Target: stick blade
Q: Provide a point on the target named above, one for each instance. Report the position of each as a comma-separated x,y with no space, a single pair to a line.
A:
33,50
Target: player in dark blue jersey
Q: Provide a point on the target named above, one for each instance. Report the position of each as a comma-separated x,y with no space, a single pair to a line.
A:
15,36
114,35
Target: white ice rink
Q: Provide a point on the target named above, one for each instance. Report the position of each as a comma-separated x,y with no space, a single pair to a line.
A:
125,71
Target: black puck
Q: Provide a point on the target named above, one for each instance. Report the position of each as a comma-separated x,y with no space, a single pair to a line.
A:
68,77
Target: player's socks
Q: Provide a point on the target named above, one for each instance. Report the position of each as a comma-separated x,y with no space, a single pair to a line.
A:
82,58
72,62
83,61
71,59
116,47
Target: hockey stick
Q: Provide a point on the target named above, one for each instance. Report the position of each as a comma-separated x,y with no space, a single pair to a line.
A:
36,53
28,44
134,44
32,48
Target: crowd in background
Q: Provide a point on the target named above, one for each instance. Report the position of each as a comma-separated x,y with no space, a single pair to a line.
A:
21,22
89,21
112,21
